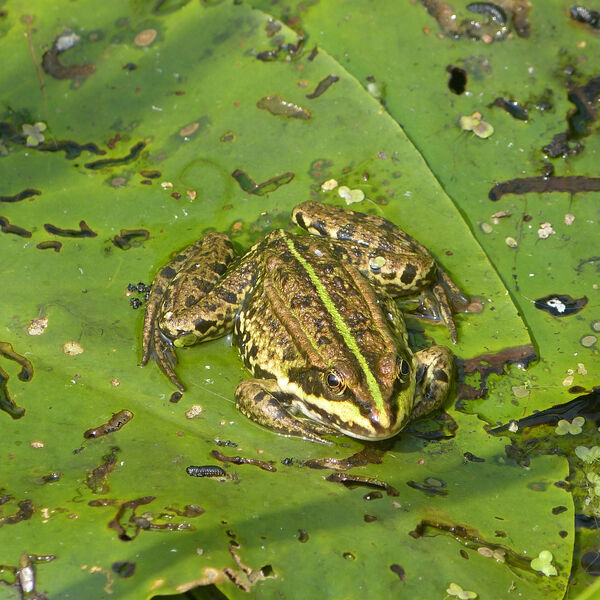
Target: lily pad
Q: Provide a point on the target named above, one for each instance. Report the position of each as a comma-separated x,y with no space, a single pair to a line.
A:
154,134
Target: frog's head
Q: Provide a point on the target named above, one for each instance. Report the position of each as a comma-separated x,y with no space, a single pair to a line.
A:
369,401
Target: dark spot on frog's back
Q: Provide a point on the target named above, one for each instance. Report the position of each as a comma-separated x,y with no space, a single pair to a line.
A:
203,326
229,297
441,375
345,233
169,272
289,353
409,274
219,268
190,301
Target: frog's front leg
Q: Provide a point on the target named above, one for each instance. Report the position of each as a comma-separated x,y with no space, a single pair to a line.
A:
263,401
434,372
175,301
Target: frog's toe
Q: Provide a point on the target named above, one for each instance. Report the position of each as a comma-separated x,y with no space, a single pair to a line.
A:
166,359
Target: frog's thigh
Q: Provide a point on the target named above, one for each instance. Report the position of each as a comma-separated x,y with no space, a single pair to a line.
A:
256,398
434,377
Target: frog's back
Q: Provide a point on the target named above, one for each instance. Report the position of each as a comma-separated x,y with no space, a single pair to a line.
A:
308,315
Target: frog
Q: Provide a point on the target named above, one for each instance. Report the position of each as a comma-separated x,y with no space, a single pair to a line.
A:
315,318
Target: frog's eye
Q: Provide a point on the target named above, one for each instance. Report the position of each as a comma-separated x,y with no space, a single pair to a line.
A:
403,368
335,382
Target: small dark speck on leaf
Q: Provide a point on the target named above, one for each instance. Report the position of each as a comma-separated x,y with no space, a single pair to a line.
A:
472,458
123,568
457,83
584,15
175,397
303,536
395,568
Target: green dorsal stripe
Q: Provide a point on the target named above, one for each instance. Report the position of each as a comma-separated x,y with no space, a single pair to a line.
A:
340,324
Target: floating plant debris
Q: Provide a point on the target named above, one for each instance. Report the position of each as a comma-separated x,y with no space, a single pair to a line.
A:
134,152
277,106
49,245
6,227
23,195
52,65
83,232
240,460
323,86
115,423
260,189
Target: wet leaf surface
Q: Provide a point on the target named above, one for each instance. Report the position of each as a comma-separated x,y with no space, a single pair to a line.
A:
185,147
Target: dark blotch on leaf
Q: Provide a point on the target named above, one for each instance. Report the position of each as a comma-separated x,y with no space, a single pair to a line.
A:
457,83
6,227
27,193
260,189
559,305
472,458
134,152
395,568
123,568
512,107
84,230
50,245
543,185
303,536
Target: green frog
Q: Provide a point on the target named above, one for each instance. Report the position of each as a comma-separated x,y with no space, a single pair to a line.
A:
315,321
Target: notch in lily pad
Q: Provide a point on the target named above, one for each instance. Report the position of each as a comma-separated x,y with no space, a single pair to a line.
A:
476,124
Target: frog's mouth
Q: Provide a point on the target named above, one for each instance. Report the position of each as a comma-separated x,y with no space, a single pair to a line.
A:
346,418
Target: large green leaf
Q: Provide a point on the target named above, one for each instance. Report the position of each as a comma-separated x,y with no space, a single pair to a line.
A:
190,95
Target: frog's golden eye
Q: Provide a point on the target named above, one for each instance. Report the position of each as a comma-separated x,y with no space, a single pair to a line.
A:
403,368
335,382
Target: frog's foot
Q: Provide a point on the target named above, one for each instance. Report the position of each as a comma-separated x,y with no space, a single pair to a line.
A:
257,399
434,374
166,359
441,301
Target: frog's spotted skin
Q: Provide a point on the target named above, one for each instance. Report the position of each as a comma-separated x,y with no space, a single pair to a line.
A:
314,320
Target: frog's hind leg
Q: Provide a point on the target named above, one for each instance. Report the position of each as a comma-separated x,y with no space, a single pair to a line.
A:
434,375
211,253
